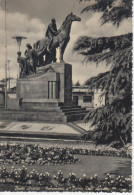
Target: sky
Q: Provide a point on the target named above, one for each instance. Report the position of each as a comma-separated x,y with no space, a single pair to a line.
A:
30,18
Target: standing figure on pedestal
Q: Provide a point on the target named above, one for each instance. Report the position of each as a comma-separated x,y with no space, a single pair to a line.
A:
23,65
30,57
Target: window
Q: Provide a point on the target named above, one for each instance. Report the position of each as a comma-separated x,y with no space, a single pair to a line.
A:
87,98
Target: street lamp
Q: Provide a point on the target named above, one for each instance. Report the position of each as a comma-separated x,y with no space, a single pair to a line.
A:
19,39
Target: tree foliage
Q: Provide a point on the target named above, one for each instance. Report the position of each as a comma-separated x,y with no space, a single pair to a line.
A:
114,11
112,122
77,84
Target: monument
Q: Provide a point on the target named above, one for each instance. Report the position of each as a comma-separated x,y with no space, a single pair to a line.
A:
44,89
51,83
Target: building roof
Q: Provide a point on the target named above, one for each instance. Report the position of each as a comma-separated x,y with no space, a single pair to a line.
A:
81,89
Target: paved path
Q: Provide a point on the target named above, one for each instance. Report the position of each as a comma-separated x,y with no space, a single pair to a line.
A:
84,126
40,129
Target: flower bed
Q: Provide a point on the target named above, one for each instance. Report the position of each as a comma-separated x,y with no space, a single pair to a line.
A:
30,154
21,180
102,152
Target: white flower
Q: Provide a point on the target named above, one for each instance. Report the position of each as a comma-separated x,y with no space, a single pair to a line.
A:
84,175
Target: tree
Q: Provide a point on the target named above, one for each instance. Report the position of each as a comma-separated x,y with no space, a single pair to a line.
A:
77,83
114,121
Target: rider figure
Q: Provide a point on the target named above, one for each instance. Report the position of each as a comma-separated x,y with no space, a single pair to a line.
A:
51,31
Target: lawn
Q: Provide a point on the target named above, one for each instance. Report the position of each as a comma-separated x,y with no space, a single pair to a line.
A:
91,168
89,165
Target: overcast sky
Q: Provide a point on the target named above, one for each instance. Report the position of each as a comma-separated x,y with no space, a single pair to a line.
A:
30,18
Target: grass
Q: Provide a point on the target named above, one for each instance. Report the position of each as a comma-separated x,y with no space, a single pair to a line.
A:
88,165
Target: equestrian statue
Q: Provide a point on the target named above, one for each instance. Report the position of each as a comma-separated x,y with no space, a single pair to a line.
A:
60,38
47,46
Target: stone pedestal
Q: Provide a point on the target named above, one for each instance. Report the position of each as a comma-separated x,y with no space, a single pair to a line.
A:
45,96
51,83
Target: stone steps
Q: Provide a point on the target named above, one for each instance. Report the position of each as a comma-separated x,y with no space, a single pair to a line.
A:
39,104
69,107
75,112
76,117
38,109
45,113
46,105
32,116
56,110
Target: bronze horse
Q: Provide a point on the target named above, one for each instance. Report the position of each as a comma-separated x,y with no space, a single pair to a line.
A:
60,40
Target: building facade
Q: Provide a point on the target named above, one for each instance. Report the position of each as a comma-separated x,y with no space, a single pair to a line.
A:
87,97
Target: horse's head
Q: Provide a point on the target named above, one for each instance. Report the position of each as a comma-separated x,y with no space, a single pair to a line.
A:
74,17
68,21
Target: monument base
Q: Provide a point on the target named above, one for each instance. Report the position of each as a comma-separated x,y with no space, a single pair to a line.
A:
51,82
53,113
46,96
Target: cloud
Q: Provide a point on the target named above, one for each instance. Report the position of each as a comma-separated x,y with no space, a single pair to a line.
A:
82,72
34,29
18,24
91,27
108,29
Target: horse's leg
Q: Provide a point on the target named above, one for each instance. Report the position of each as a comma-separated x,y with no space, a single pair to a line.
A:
27,69
30,69
62,47
34,67
47,56
54,59
50,57
38,61
21,73
41,60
